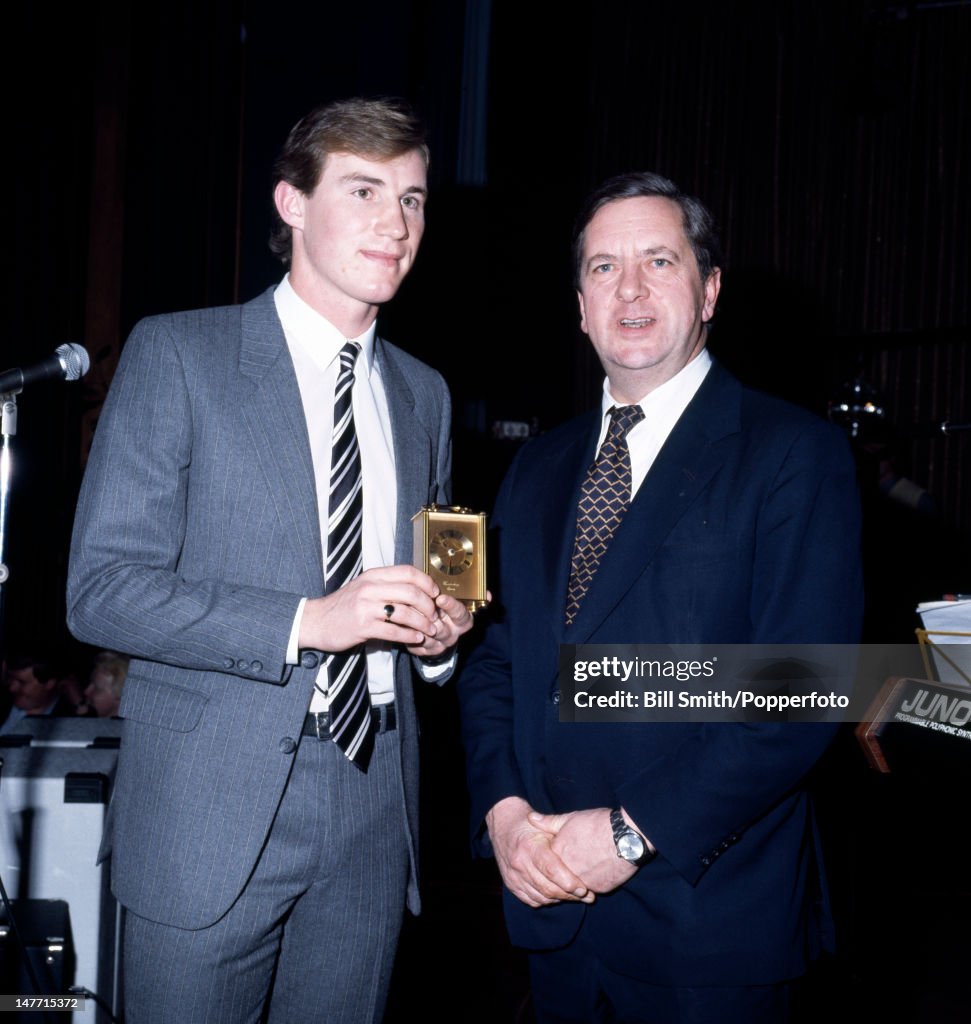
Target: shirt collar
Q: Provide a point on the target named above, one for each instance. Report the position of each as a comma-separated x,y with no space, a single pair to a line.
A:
315,334
677,391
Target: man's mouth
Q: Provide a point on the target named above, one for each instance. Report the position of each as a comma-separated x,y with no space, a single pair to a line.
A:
641,321
378,256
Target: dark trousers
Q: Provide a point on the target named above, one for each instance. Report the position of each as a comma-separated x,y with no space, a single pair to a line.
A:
574,986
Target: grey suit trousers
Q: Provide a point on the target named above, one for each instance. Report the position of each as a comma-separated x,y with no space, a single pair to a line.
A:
316,925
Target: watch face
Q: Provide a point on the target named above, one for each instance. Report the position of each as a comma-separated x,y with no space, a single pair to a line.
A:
630,846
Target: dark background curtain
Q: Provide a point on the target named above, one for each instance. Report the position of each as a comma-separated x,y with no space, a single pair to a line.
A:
830,139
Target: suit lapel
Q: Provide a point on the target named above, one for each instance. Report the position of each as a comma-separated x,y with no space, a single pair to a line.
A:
558,505
412,450
278,430
683,468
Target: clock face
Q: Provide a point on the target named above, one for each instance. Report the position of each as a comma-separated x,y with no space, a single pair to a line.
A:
450,552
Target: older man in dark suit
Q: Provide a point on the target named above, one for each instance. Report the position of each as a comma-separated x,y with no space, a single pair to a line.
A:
249,463
658,872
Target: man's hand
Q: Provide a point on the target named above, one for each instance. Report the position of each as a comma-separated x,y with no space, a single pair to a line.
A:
356,613
531,870
453,619
584,841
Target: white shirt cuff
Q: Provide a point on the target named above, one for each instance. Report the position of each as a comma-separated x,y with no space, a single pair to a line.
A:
293,647
432,672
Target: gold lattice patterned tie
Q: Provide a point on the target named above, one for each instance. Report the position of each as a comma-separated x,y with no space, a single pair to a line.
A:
604,498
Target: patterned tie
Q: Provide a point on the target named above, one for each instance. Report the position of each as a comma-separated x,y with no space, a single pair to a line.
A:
350,701
604,498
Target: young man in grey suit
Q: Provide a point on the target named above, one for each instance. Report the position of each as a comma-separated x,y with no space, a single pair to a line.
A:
250,462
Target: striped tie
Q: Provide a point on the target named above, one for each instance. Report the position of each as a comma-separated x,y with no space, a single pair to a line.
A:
604,498
350,702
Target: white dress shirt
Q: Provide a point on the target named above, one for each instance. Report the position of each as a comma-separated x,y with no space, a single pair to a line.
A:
314,345
662,409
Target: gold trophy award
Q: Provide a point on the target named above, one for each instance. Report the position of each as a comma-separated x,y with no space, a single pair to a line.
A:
450,545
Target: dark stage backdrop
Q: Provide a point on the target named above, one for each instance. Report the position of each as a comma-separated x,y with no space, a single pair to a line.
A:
830,139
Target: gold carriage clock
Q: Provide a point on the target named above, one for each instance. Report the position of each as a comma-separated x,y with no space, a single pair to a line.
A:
450,545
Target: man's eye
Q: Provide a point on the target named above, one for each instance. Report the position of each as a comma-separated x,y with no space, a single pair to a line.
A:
362,193
411,202
660,262
603,268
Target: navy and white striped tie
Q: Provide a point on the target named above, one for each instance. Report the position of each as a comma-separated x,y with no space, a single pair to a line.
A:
350,702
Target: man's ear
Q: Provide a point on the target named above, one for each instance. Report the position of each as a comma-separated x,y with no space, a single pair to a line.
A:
289,202
712,288
583,312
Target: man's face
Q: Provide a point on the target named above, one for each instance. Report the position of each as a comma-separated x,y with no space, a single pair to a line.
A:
356,235
99,693
27,692
642,300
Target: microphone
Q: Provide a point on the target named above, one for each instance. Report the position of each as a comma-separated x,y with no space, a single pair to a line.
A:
69,362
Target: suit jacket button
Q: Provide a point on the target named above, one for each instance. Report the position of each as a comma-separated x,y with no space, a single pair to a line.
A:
706,861
309,660
555,696
287,745
257,666
242,665
229,663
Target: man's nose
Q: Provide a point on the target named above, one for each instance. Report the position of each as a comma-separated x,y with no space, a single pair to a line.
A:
392,222
632,284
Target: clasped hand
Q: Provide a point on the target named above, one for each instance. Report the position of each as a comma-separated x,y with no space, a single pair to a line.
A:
546,858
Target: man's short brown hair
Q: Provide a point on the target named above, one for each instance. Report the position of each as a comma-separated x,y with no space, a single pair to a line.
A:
699,226
379,129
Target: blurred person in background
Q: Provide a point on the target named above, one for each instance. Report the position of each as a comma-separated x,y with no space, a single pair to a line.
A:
102,695
31,682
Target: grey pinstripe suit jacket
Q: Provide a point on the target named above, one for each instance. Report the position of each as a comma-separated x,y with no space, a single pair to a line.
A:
196,536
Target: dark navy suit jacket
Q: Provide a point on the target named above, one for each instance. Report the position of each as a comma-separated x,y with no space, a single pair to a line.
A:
744,531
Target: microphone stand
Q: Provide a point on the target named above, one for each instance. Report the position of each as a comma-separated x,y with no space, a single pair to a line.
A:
8,430
69,362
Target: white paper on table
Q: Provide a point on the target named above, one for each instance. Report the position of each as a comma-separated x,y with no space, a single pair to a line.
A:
943,617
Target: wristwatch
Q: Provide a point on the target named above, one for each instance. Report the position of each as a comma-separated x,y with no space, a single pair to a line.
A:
630,844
